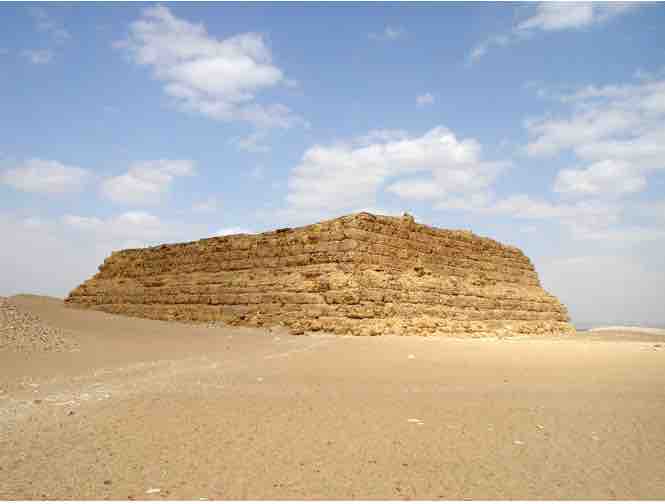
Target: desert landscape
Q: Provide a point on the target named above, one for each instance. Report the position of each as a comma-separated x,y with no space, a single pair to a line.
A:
99,405
282,250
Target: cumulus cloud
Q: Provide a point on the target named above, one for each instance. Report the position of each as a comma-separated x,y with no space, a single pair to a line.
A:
608,177
556,16
553,16
38,56
616,132
388,33
128,227
45,176
349,175
202,74
425,99
146,182
590,219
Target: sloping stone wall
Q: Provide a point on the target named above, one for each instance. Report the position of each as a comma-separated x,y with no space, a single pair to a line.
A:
358,274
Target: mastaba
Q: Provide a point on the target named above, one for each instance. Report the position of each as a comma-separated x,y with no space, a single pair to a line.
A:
358,274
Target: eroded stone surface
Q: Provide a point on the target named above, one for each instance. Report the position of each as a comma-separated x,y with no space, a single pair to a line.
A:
359,274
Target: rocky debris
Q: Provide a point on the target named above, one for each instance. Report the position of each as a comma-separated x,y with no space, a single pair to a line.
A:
360,274
24,332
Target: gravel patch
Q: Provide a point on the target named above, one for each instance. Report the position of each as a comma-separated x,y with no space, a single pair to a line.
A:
24,332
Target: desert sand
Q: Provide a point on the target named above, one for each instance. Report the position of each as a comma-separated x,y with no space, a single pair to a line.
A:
141,409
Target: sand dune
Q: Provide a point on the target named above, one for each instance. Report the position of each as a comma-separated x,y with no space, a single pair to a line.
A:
154,410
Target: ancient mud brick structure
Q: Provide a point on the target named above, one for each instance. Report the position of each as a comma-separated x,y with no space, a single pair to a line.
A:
359,274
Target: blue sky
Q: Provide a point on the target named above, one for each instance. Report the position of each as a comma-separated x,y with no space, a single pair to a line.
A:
541,125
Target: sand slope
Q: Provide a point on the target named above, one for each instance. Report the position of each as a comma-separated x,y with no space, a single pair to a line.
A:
219,413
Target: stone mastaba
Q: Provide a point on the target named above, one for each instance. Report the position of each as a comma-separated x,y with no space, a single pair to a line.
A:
359,274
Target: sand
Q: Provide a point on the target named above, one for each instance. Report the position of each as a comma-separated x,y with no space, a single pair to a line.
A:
144,409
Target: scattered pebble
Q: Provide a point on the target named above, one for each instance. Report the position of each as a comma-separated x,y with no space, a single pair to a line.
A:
414,420
541,427
107,482
411,356
259,379
517,442
152,490
24,332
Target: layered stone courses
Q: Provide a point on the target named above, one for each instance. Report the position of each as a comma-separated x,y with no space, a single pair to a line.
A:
359,274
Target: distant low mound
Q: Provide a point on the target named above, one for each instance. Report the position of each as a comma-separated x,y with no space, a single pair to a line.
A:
648,330
24,332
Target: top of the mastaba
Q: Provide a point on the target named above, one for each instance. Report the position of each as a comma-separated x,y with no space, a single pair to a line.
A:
362,220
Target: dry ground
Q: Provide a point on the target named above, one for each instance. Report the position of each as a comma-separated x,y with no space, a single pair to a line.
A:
222,413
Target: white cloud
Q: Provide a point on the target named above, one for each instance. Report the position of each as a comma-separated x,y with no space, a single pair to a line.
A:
604,177
349,175
482,48
652,209
231,231
553,16
45,176
146,182
415,189
588,220
216,78
425,99
556,16
129,226
585,220
617,130
388,33
38,56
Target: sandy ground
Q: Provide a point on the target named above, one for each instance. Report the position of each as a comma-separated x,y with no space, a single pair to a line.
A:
150,410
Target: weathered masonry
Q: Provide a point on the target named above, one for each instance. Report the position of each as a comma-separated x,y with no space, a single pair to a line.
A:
359,274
